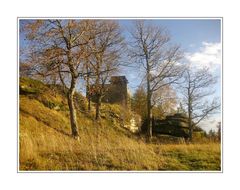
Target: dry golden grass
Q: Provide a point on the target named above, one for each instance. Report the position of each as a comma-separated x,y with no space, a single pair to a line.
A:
46,144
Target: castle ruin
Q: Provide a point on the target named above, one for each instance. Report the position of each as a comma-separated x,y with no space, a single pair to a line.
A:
116,91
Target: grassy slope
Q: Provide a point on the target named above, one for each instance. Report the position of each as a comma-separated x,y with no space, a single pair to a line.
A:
45,142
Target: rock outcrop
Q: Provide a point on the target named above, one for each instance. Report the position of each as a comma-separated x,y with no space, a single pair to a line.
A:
174,125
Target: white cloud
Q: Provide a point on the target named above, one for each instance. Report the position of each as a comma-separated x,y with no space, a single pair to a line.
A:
209,55
210,123
192,45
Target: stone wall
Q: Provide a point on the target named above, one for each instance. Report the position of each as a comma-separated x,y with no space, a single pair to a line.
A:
116,91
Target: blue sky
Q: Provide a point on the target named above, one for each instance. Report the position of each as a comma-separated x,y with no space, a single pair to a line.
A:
188,31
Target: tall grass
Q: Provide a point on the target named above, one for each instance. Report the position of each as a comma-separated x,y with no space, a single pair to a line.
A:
102,148
46,144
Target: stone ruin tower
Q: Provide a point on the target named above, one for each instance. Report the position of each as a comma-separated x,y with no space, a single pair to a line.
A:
116,91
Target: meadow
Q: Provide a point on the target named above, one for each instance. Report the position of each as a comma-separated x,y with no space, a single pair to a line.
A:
45,143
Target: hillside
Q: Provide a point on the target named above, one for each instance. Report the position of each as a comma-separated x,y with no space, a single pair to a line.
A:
45,142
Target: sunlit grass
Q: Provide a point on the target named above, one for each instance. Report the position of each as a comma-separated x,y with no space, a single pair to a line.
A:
46,144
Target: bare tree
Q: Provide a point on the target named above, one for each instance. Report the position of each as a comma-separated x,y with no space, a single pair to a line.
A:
196,90
57,48
106,49
151,48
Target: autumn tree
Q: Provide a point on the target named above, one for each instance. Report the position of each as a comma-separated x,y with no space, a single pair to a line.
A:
197,91
139,102
164,102
56,48
152,49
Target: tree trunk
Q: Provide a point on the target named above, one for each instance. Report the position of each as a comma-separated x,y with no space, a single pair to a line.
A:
88,94
190,126
89,103
149,120
149,107
98,105
73,118
61,79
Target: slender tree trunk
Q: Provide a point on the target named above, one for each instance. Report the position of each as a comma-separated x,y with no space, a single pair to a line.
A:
89,103
190,126
62,80
149,118
149,107
88,94
73,117
98,105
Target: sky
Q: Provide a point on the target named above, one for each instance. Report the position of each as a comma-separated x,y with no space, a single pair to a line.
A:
189,33
200,39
